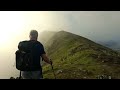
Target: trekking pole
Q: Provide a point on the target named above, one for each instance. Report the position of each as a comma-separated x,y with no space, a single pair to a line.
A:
20,75
53,69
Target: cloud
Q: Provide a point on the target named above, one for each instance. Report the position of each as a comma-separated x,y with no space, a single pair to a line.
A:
96,25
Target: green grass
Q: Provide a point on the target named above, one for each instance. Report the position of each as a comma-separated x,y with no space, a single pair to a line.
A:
79,58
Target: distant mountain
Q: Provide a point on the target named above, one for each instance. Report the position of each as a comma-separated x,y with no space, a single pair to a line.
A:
115,45
76,57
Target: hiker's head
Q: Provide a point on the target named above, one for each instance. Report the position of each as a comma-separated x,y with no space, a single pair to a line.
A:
33,35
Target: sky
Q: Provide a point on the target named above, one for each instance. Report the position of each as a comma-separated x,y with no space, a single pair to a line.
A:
15,27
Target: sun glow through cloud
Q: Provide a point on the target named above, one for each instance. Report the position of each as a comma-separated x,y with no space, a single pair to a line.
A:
10,26
15,27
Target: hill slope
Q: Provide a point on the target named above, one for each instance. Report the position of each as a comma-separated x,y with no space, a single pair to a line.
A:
75,57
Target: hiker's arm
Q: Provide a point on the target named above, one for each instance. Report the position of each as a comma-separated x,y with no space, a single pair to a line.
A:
46,59
44,56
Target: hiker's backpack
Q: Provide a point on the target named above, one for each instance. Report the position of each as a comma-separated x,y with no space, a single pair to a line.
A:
24,57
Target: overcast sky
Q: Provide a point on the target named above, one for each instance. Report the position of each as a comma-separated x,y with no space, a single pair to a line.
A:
95,25
15,26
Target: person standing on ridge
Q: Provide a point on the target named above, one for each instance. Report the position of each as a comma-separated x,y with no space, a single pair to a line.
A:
38,52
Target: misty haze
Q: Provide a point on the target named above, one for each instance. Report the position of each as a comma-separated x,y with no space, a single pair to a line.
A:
90,41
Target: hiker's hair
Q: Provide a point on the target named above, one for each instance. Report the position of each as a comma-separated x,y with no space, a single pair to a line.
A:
34,33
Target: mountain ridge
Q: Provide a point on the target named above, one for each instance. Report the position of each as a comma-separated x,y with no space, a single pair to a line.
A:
77,57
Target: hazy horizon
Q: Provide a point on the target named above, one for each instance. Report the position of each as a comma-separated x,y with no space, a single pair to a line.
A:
15,27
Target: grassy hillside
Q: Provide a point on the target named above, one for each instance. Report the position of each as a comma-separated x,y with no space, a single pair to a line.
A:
75,57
